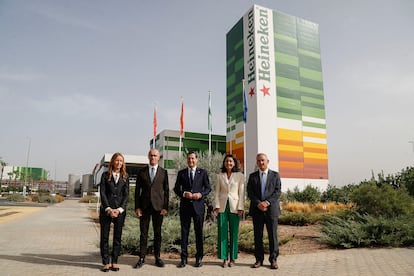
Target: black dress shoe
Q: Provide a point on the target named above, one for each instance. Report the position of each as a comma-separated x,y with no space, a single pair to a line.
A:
159,262
199,262
140,262
182,264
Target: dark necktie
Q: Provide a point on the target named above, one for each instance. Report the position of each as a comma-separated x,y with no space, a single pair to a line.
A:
152,175
191,177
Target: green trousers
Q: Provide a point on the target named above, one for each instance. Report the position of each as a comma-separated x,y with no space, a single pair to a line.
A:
228,226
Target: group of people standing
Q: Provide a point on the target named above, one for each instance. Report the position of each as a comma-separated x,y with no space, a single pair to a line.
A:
192,187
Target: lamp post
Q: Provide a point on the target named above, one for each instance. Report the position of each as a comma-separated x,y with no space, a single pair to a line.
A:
27,161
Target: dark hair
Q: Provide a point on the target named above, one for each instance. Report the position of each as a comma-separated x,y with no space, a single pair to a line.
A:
236,167
192,152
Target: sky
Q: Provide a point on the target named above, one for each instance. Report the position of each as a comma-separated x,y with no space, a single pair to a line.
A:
79,79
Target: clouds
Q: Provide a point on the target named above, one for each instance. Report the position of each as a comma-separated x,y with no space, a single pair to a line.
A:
81,78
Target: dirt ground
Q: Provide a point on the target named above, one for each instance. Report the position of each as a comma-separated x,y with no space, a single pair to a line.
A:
303,239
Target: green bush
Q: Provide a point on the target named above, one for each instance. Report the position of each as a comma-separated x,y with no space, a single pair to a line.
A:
16,198
367,230
382,201
335,194
47,199
309,194
406,178
171,236
34,197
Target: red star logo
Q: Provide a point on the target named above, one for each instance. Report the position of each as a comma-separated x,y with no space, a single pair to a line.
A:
265,90
251,93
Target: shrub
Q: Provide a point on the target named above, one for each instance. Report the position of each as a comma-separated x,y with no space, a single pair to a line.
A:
299,218
407,179
366,230
382,201
47,199
34,197
309,194
16,198
89,199
340,195
171,236
327,207
59,198
42,192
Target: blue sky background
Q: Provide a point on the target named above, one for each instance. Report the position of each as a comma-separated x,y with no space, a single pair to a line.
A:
80,78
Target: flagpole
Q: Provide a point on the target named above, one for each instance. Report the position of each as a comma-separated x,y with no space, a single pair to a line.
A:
209,125
244,128
181,126
244,137
155,126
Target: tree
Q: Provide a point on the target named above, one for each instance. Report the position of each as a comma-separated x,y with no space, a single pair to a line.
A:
3,164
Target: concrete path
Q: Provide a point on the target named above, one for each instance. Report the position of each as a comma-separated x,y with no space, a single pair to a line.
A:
63,240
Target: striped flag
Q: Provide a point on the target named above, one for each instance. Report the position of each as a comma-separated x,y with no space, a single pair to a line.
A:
182,118
245,107
210,127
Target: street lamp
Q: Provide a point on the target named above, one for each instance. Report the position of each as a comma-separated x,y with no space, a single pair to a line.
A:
27,160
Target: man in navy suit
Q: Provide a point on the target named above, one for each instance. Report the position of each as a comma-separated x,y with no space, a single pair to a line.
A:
192,186
264,189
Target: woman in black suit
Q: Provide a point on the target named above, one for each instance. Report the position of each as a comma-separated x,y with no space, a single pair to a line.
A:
114,190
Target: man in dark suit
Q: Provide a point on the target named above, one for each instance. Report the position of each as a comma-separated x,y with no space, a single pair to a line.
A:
264,189
192,186
151,201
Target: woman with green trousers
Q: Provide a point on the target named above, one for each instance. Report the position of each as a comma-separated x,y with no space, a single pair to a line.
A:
229,207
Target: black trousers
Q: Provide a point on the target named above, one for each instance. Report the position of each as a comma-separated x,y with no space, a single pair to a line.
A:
185,220
105,222
157,219
260,219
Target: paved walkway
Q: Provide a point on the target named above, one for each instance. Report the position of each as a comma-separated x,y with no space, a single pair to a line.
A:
62,240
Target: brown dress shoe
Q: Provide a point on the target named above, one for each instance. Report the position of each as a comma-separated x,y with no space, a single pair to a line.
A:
106,268
274,266
257,264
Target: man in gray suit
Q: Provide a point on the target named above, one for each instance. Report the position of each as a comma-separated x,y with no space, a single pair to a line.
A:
264,189
151,201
